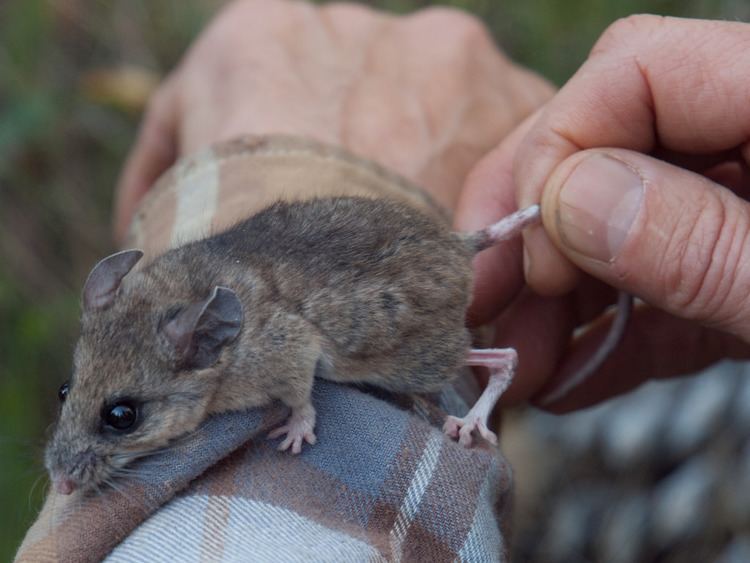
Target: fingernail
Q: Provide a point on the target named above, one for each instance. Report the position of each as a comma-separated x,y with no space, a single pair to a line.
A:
597,206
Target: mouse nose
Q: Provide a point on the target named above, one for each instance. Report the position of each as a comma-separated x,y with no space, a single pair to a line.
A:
64,485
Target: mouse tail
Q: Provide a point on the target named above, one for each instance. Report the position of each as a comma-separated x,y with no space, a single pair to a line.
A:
506,228
510,227
611,341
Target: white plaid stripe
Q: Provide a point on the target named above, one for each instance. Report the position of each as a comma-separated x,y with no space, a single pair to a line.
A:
484,542
174,533
197,198
262,531
409,506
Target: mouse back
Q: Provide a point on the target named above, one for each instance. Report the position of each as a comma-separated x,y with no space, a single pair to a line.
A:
364,272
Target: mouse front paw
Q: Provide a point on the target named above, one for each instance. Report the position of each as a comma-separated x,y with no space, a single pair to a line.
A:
298,428
464,428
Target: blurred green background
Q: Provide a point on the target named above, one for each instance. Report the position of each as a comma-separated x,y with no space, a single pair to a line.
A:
64,135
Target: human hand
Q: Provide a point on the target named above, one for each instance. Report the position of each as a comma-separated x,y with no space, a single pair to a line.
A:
425,95
641,166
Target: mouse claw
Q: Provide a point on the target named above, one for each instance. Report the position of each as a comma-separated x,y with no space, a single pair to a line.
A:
293,438
295,441
463,430
280,431
298,429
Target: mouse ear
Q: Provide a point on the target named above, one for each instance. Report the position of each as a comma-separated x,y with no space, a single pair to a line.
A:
199,331
101,285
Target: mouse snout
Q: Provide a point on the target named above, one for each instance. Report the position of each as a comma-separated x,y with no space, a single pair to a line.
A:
69,471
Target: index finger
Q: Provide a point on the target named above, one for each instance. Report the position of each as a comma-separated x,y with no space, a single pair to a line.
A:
650,82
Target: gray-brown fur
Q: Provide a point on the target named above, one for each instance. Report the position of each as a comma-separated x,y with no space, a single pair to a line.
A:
349,288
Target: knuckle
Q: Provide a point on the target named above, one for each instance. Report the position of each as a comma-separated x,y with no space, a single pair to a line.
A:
242,8
455,25
347,10
704,262
627,32
687,256
728,304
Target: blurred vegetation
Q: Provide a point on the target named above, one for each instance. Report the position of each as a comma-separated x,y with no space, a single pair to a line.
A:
64,136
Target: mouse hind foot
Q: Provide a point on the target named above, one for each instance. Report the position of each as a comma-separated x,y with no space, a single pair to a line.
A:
502,364
298,428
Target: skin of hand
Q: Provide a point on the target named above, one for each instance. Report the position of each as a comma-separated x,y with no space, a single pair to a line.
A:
640,163
426,95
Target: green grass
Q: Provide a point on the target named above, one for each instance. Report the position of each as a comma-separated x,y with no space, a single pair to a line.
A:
60,154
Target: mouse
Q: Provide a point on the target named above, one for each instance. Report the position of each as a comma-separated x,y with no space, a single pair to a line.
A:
347,289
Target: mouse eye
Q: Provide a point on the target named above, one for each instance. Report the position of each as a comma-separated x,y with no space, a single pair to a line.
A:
121,416
62,393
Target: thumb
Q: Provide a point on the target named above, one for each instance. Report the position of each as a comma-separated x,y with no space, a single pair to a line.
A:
667,235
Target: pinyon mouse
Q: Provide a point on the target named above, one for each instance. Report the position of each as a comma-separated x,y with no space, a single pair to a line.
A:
346,289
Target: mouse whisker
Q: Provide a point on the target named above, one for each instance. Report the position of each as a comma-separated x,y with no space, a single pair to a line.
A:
99,491
134,473
110,483
34,486
122,460
129,471
146,506
138,454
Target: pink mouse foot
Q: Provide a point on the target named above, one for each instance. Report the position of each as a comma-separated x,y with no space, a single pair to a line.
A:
298,428
463,429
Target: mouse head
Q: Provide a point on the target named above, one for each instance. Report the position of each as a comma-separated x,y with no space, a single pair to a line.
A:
144,372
